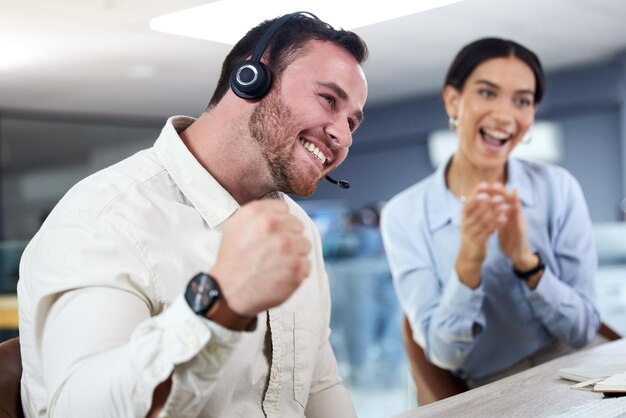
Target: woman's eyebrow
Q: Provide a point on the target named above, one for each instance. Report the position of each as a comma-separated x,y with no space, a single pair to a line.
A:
495,86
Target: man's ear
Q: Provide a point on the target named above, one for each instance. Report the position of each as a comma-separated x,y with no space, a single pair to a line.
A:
451,96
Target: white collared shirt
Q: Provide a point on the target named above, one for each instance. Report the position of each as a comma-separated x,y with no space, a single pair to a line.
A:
103,320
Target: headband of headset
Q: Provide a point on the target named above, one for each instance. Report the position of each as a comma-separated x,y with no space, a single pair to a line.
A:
251,80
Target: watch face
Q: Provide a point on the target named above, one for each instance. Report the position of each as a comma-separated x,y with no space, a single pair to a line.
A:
201,293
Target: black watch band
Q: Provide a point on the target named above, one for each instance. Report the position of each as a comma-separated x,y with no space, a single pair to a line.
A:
527,274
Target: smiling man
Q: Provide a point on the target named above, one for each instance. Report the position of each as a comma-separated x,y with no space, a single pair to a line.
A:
182,281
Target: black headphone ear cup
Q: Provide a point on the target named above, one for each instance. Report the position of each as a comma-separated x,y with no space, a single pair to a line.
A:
250,80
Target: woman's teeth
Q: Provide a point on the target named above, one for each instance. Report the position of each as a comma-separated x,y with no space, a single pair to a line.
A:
314,150
494,137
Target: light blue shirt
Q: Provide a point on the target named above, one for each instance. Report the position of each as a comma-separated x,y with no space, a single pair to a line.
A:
482,331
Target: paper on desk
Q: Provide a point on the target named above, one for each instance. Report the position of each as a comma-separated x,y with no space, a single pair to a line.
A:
615,383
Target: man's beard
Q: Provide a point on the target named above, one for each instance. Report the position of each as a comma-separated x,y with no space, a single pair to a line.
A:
271,124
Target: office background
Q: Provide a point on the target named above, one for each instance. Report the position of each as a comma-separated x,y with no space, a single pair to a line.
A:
54,131
44,154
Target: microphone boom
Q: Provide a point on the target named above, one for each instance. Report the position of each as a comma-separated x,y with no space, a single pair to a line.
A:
342,184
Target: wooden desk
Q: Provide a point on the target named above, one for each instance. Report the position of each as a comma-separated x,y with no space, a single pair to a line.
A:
537,392
8,311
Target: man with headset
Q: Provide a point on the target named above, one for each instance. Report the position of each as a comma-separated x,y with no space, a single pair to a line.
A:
182,281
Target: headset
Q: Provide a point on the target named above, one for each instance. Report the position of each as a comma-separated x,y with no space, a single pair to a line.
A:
251,80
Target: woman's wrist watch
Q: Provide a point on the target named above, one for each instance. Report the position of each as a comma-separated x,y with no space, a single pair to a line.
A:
528,274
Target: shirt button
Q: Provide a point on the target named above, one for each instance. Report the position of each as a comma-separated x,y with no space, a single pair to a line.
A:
274,374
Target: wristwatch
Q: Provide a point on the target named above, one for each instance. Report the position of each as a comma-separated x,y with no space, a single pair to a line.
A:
202,292
527,274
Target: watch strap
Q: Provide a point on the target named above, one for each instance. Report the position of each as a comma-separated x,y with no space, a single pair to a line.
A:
527,274
222,314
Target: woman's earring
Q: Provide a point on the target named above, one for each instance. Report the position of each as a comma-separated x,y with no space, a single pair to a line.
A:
453,123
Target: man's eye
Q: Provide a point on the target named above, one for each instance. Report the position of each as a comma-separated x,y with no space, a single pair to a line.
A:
329,99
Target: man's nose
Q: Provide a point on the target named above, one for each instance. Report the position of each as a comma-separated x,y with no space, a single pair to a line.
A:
340,133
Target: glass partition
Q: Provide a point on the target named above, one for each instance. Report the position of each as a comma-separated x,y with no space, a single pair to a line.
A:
366,316
610,240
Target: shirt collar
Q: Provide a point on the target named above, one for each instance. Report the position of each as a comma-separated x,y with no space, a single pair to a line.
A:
212,201
440,211
443,207
519,179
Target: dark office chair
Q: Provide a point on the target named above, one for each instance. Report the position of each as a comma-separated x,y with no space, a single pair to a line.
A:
433,383
10,375
608,332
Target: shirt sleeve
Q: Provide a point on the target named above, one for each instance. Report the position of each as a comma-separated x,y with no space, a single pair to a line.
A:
102,337
445,315
565,301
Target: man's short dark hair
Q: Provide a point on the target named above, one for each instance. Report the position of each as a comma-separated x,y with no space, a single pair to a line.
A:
289,42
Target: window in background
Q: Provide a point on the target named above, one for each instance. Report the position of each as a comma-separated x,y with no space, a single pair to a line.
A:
543,142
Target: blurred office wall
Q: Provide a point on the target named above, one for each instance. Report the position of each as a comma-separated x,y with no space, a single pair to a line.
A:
389,151
42,157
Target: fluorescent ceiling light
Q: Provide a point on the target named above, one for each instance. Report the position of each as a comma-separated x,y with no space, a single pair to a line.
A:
227,21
